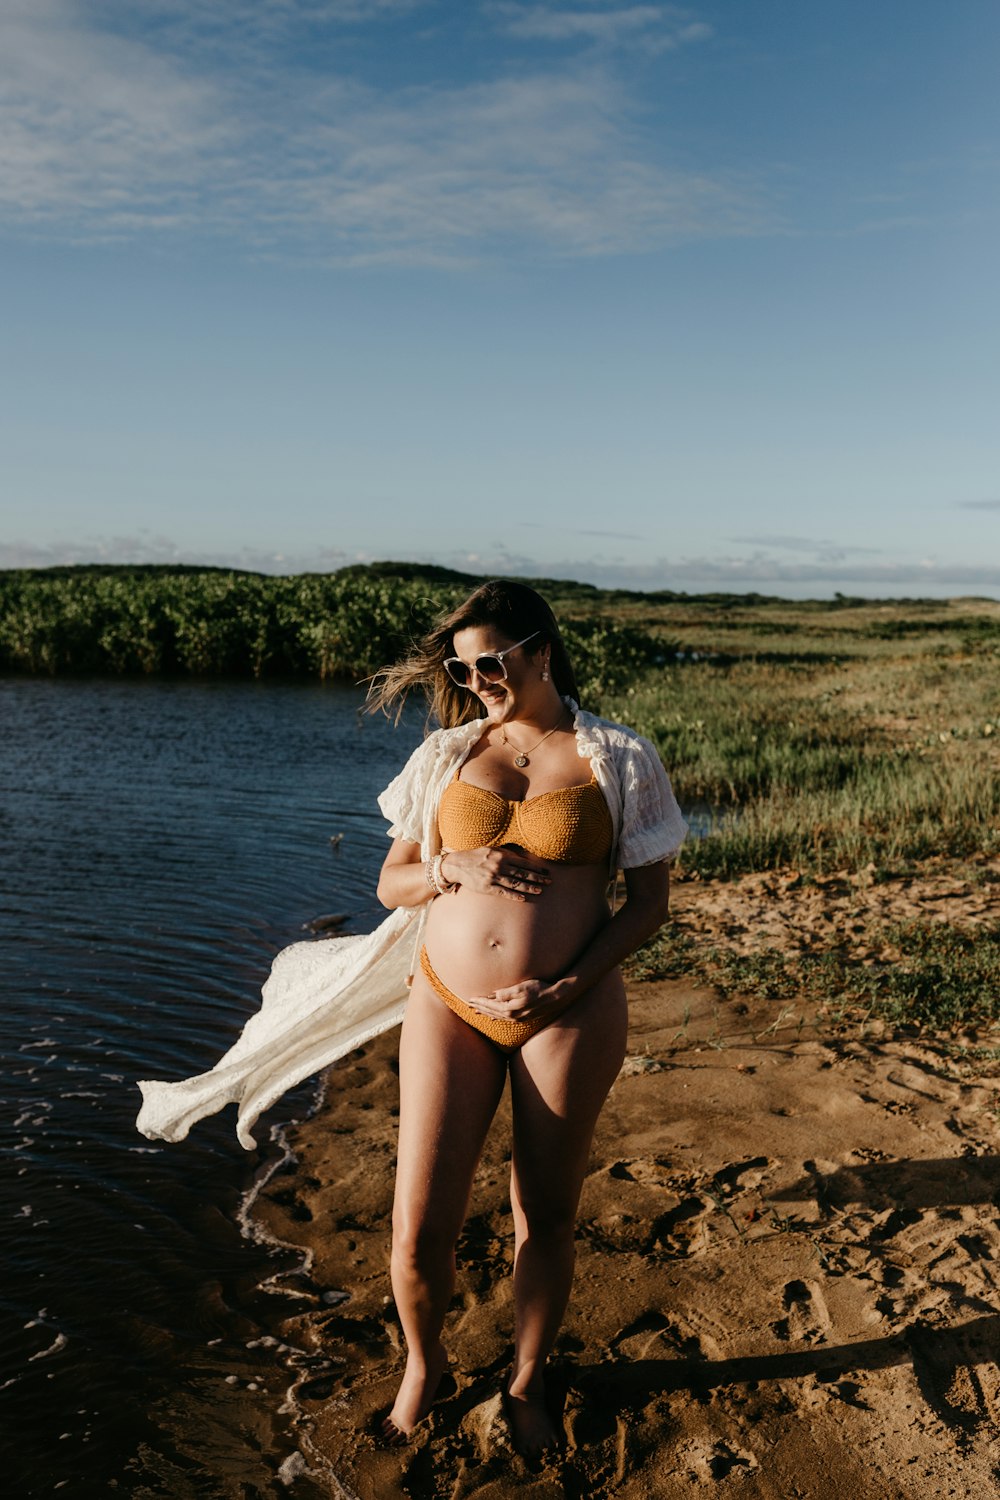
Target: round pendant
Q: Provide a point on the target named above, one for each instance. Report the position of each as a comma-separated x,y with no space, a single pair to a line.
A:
521,760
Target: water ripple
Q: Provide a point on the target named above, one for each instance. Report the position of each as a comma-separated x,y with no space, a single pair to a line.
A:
161,842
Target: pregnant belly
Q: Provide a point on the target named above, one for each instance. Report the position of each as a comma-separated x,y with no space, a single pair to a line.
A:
480,943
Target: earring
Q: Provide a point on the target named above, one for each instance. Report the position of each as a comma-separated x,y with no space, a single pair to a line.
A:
545,673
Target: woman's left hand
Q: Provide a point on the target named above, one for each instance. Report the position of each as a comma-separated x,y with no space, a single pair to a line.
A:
528,1001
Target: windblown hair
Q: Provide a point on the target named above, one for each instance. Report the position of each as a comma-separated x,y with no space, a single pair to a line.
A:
512,608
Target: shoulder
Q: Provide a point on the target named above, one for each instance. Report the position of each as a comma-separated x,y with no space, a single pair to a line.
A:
441,746
629,765
616,740
441,743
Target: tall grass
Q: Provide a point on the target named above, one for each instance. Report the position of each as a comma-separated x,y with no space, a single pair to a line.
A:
892,814
805,783
842,746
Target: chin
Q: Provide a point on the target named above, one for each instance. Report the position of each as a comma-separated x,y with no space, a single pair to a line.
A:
496,708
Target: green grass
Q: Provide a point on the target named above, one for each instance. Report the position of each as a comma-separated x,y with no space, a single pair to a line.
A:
856,749
941,977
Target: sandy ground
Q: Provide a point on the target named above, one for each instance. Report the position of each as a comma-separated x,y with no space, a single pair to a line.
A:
788,1258
778,909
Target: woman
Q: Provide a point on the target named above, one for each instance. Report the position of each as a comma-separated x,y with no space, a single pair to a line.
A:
507,824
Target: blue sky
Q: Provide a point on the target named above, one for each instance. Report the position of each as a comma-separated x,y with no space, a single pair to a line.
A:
667,296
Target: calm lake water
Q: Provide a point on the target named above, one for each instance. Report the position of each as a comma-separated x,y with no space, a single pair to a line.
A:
158,843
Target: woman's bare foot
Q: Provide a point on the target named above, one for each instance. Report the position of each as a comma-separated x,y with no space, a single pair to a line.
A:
532,1430
415,1397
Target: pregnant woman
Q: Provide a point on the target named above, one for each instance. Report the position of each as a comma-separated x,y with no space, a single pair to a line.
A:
508,824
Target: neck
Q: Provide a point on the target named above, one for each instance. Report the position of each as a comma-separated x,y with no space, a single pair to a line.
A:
540,719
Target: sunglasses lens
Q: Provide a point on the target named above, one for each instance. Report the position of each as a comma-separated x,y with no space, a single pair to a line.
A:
490,669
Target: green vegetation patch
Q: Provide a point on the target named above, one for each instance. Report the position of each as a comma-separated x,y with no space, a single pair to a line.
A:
213,623
939,976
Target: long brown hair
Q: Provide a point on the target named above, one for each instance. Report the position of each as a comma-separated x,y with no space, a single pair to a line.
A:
512,608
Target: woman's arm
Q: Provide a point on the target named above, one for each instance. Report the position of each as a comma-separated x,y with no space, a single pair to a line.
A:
644,911
403,879
500,872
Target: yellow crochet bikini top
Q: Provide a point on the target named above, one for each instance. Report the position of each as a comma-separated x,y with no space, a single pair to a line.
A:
571,826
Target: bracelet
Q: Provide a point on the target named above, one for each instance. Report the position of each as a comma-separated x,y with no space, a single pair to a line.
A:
435,879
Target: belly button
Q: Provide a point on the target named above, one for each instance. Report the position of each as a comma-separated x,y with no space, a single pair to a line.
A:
495,943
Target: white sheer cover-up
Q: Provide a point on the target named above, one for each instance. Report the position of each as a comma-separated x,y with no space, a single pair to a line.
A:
323,999
299,1030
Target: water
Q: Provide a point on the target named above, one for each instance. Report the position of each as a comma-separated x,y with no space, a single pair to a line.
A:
158,843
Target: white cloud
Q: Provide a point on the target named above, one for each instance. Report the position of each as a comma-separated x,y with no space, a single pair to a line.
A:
544,160
620,536
109,133
656,27
824,550
836,571
95,125
761,574
143,547
191,18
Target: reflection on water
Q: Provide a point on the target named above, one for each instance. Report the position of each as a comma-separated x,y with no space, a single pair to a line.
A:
159,842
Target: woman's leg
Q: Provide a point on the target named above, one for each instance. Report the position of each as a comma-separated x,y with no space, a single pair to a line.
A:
450,1082
559,1082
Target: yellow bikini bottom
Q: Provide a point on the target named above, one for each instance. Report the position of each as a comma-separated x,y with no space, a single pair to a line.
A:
508,1036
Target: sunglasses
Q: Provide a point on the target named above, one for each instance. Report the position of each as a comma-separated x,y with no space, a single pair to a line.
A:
490,666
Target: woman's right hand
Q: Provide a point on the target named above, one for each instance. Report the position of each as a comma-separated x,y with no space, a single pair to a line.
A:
509,872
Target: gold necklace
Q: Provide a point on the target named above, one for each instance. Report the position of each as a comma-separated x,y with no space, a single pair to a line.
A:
521,758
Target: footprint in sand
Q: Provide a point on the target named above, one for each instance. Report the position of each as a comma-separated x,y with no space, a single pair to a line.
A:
741,1176
957,1373
806,1319
682,1230
654,1335
722,1461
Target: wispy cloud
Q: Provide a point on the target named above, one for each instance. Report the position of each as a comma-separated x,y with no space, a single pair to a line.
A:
92,122
979,504
740,575
822,548
147,547
201,125
655,27
620,536
896,575
556,529
189,22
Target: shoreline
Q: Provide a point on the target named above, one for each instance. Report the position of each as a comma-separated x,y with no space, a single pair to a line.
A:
788,1266
311,1479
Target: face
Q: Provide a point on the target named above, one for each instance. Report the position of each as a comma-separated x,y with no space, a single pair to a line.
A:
501,699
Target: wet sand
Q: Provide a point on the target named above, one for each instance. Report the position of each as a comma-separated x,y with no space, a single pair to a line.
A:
788,1255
